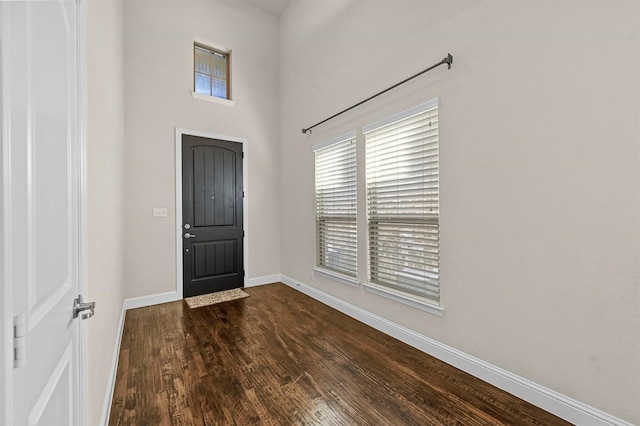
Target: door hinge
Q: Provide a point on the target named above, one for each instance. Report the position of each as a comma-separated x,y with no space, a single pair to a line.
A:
19,340
242,154
242,194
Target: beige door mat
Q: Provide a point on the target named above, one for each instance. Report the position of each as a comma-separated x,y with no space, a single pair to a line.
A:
213,298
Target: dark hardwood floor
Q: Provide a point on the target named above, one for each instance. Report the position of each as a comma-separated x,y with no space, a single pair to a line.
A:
282,358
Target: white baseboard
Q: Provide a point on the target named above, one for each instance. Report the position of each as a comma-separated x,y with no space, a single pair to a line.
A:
172,296
154,299
266,279
547,399
111,381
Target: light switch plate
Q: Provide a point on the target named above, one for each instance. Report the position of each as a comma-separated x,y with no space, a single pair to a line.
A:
160,212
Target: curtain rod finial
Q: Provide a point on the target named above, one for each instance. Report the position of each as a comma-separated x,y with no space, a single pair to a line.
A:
305,131
448,60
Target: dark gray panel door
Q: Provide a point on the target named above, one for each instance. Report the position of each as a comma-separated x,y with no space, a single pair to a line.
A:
212,229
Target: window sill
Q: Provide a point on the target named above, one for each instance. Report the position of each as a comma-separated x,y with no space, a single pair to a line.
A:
337,277
213,99
405,298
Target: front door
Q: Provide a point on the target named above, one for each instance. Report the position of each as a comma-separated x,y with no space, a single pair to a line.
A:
41,230
212,229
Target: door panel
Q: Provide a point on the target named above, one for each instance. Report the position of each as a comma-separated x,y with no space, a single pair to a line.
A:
215,187
50,117
56,399
214,258
212,214
40,139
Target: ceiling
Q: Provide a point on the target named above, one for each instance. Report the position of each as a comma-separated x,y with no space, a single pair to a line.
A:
274,7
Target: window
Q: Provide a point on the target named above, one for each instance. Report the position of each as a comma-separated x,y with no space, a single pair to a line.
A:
403,203
336,234
211,72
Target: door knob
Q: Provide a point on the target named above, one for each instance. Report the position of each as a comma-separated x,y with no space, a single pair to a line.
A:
80,306
188,235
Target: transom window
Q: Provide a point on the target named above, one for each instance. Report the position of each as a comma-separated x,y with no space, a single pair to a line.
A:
211,72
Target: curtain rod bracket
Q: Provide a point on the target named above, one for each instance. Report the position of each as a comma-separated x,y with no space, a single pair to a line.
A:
447,60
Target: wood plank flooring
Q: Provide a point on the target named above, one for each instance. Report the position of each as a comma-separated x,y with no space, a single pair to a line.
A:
282,358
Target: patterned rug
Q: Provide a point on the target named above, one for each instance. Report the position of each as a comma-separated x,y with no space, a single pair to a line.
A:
213,298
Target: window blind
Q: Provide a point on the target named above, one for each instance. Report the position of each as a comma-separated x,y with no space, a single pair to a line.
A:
403,202
336,233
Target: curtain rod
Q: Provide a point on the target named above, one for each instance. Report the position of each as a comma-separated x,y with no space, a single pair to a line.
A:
447,60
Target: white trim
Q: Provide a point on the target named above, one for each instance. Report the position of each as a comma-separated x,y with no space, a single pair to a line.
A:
433,103
549,400
333,141
178,210
214,99
83,274
82,141
266,279
404,298
31,173
111,384
6,291
344,279
178,179
153,299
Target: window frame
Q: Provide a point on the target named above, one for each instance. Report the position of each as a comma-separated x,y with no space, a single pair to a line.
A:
228,100
396,292
349,217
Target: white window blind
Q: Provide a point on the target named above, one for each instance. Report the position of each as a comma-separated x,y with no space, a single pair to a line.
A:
403,202
336,233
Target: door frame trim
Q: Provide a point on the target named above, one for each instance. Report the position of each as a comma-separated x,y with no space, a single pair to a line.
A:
178,206
84,352
6,290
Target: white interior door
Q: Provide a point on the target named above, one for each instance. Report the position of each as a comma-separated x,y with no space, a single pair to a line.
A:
41,211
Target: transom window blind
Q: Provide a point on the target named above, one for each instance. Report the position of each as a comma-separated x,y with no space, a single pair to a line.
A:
336,233
403,201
